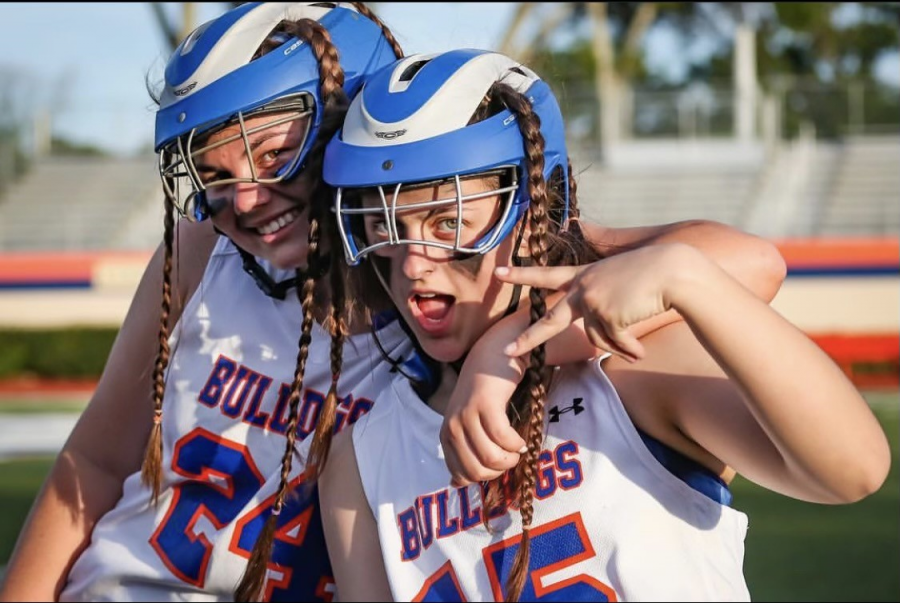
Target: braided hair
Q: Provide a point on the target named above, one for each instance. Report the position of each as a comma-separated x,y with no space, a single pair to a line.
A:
310,292
251,585
549,242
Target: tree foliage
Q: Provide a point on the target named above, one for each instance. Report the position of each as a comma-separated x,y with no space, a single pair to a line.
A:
804,49
825,41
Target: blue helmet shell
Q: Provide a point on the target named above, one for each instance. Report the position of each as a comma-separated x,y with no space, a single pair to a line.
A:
210,77
410,124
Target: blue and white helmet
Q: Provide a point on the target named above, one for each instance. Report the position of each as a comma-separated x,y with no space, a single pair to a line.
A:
410,125
212,80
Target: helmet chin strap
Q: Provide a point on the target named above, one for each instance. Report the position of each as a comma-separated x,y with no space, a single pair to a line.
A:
265,282
518,261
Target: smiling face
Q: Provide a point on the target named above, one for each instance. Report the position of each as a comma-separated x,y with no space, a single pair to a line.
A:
262,214
448,300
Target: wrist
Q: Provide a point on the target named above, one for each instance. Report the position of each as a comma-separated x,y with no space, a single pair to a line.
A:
691,275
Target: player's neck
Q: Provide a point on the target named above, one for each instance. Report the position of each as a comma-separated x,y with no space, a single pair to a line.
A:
441,397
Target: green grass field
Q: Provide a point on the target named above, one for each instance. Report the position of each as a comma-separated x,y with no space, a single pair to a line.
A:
795,551
19,482
21,407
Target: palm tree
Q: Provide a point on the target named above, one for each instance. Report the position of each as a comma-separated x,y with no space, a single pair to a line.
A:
615,58
175,33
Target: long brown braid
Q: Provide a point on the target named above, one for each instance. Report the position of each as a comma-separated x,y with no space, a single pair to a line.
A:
529,407
331,80
516,486
151,468
337,323
367,12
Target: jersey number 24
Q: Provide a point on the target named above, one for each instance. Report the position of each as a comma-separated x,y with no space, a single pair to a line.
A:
221,478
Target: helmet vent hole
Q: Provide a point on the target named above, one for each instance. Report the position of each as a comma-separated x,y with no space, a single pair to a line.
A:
519,71
410,72
324,4
192,39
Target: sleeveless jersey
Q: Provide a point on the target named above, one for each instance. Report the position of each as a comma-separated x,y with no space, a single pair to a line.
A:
225,413
610,522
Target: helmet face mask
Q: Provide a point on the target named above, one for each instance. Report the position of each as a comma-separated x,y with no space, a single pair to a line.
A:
425,118
246,64
368,218
271,139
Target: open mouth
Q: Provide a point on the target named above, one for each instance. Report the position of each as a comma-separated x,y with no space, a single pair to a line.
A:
433,311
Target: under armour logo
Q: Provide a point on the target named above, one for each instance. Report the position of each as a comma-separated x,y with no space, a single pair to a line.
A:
556,410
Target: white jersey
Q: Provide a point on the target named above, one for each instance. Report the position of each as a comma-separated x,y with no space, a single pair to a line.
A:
234,353
610,522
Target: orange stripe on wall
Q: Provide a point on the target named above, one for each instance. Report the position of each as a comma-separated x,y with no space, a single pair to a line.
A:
43,266
860,348
840,252
796,252
870,361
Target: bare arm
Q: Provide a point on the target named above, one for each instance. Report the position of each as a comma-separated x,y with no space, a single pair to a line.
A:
350,529
478,440
785,416
753,261
681,396
824,444
107,443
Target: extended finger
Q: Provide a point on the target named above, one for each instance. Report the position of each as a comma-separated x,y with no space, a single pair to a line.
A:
544,277
555,320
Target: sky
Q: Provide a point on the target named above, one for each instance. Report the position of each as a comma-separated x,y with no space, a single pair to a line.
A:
87,63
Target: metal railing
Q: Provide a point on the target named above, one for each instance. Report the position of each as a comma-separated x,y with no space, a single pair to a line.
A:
700,110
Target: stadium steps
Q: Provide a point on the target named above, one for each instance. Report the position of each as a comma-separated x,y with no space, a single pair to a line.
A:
619,197
866,189
852,189
75,202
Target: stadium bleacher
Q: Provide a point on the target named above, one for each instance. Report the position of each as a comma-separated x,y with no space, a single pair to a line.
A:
81,203
847,188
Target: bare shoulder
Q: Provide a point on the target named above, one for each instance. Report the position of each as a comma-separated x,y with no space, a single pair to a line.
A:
113,429
676,379
193,246
341,458
350,527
